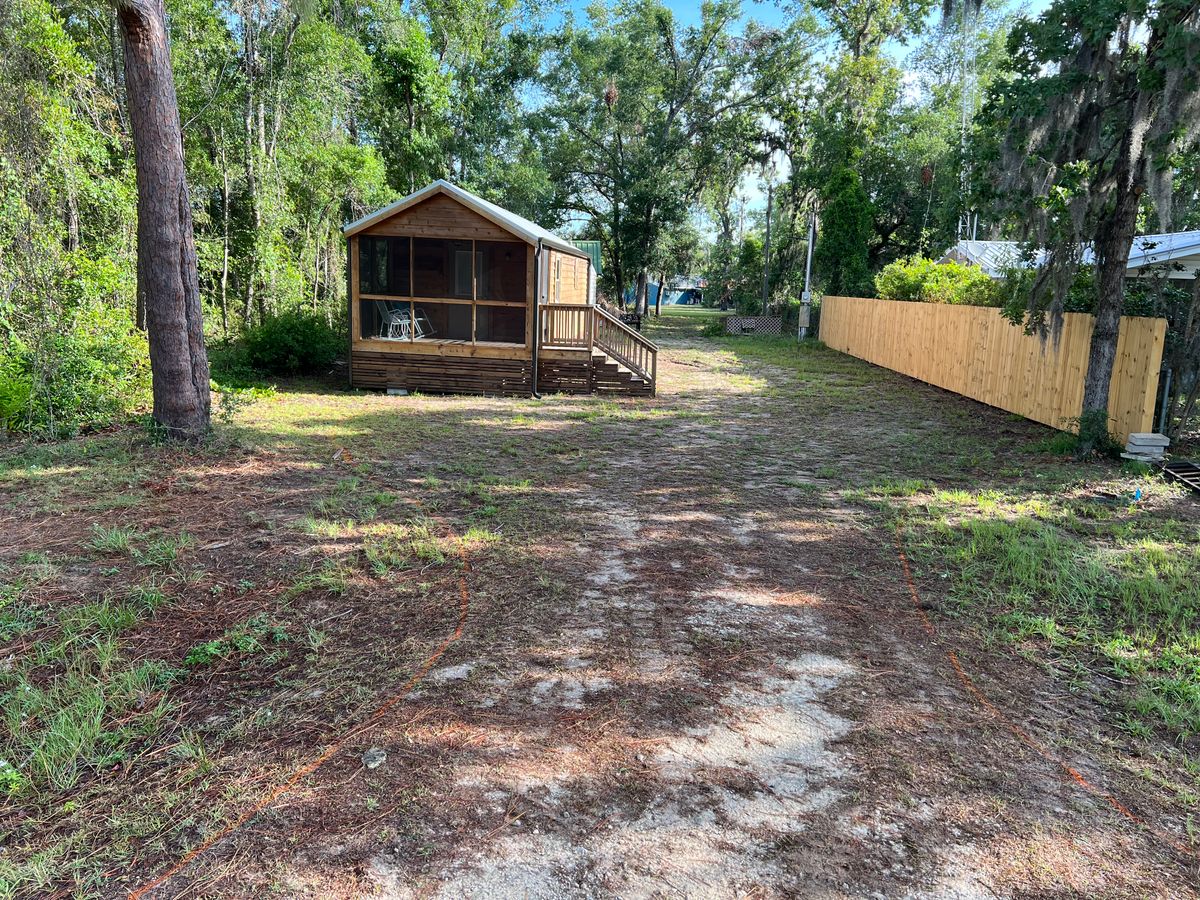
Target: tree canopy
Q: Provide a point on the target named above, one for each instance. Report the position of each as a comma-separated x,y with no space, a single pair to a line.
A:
650,130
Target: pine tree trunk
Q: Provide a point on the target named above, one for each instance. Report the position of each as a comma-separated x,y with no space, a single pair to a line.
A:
168,283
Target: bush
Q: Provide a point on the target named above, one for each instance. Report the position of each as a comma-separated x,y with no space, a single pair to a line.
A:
293,343
16,395
90,374
923,280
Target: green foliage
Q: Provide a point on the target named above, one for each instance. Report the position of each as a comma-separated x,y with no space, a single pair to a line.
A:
1046,579
80,721
923,280
92,372
16,395
414,95
293,343
644,111
1081,138
255,635
12,782
841,258
735,275
1094,436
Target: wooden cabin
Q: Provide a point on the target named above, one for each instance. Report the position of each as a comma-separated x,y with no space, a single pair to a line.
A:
450,293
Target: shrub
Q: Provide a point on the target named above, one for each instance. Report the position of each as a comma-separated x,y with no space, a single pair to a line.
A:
16,394
923,280
93,372
293,343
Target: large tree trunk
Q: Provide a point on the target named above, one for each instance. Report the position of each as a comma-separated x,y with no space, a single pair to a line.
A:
1113,241
167,280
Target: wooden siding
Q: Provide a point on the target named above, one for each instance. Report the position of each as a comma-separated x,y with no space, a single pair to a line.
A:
567,277
438,374
974,351
441,216
559,371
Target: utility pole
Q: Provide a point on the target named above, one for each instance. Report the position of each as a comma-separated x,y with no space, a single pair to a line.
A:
767,250
806,297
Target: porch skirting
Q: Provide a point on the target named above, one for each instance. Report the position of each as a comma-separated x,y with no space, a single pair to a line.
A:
559,372
440,374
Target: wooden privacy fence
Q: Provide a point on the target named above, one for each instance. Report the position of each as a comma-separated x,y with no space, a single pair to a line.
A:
976,352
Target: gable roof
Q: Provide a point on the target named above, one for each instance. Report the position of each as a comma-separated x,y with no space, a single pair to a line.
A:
1181,249
509,221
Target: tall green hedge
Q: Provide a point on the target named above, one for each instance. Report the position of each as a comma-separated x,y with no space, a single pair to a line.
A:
841,257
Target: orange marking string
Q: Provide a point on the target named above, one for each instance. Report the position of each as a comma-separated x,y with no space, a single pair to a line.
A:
330,751
1020,733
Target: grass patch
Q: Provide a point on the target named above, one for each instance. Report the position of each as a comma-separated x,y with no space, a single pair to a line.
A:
254,636
82,720
112,540
1074,589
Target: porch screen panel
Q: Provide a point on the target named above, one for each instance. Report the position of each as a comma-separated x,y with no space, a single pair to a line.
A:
383,265
502,271
501,324
442,321
441,268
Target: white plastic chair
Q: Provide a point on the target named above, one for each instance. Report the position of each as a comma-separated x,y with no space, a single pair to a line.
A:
396,325
422,327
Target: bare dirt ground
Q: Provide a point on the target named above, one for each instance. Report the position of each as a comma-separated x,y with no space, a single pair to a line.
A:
690,666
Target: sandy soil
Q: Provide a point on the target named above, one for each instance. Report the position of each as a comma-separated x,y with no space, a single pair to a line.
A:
702,676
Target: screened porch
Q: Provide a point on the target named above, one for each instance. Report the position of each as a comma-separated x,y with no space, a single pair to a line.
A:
438,290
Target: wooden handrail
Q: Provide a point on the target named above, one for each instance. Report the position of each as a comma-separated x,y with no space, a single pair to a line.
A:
566,325
635,334
626,346
581,325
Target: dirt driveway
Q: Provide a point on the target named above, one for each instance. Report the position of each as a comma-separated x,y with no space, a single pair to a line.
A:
689,664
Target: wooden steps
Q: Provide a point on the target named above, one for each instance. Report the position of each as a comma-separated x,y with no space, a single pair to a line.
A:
610,377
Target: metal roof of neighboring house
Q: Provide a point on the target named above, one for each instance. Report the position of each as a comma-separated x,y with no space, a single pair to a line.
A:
592,249
510,221
1180,249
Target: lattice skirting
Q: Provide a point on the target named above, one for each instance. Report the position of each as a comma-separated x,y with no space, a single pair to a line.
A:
753,325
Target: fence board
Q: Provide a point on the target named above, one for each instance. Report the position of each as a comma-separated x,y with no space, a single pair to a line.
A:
974,351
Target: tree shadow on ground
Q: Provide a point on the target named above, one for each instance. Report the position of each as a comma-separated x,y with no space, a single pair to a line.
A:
634,565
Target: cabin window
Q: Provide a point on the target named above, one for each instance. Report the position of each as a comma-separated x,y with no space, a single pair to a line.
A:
503,324
501,270
383,265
